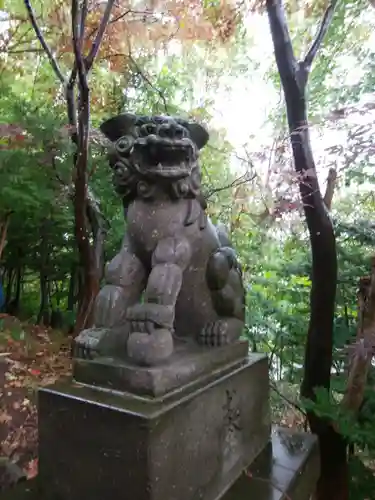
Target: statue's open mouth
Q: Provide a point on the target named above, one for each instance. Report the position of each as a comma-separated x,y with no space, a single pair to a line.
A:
163,157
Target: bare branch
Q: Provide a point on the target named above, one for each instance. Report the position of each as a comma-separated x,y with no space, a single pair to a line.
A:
77,44
287,400
326,21
44,44
99,36
330,189
243,179
22,51
84,10
148,81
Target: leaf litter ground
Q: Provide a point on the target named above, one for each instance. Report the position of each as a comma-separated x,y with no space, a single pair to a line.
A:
30,356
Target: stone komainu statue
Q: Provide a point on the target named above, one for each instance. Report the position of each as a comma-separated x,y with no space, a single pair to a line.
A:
176,278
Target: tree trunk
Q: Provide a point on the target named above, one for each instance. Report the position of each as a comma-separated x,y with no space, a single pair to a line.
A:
13,307
333,482
86,250
4,225
9,286
99,227
72,288
43,308
43,313
79,133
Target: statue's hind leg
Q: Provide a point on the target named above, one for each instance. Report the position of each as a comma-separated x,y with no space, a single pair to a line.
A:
125,280
223,331
224,278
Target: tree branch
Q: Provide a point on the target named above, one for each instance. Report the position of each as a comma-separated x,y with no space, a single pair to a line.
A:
148,81
239,181
285,59
77,44
99,36
330,189
44,44
326,21
84,10
287,400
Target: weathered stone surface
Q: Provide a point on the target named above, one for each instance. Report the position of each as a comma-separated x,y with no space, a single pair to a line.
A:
288,469
282,471
190,363
176,273
191,445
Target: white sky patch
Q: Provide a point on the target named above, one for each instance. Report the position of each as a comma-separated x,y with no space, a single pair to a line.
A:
244,110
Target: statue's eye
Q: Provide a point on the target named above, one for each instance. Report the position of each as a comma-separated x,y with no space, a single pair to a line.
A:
124,144
148,129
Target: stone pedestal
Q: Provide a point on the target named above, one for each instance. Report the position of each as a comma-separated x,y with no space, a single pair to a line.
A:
190,445
288,468
189,364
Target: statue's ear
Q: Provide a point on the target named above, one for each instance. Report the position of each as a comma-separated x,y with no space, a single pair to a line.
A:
118,126
198,134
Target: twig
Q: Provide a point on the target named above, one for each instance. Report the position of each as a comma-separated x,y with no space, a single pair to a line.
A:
44,44
23,51
243,179
287,400
148,81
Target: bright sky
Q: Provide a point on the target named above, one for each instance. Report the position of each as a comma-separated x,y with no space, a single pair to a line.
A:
243,112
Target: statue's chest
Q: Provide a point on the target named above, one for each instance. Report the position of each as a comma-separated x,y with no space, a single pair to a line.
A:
150,222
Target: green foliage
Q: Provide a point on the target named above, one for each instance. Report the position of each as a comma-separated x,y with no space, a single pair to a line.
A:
36,177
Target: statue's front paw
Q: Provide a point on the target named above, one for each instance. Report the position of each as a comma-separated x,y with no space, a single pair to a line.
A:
215,333
150,350
151,340
94,342
85,345
144,318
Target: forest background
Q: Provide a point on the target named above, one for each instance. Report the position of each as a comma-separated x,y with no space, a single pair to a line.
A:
212,61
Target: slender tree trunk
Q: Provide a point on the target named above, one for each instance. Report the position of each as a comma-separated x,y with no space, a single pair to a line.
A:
43,278
4,225
43,308
333,481
72,288
79,124
9,286
86,250
14,305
